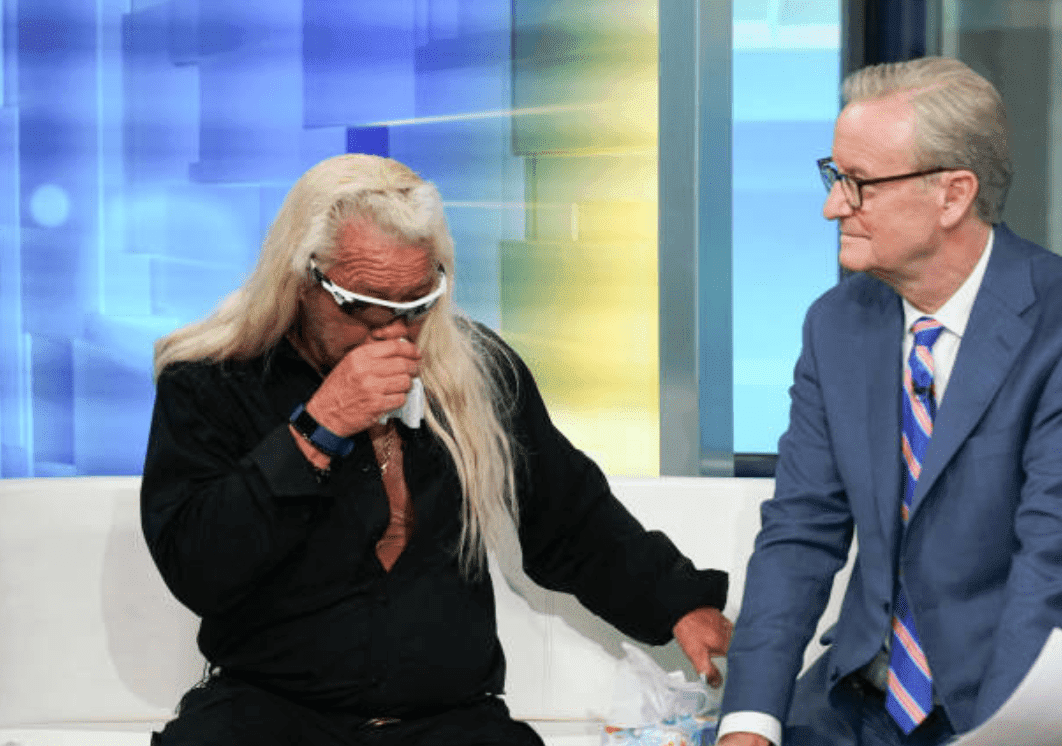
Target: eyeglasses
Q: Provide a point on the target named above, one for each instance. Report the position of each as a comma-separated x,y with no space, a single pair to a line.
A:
853,187
352,303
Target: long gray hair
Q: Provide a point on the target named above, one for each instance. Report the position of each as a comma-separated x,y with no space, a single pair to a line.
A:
460,367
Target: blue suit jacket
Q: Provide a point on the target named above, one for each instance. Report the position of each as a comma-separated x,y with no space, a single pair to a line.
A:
981,559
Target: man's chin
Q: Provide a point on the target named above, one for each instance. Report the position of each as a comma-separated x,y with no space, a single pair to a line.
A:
851,263
855,254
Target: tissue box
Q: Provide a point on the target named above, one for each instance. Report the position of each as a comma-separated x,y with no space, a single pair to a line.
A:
686,731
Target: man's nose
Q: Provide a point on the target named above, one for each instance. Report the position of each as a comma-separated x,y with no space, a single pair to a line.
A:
836,204
393,329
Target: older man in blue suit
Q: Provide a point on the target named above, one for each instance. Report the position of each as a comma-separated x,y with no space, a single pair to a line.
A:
926,420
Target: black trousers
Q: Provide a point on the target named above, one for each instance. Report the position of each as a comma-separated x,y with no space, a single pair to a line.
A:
228,712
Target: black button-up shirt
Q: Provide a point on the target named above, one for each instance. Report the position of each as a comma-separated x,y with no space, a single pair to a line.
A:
283,570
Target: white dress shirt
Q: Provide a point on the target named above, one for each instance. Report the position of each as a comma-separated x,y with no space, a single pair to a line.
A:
954,315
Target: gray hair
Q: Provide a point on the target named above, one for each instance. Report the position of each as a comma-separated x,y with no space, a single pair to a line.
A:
460,366
960,120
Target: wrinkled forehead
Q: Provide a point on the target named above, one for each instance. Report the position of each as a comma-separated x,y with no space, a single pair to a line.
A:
368,257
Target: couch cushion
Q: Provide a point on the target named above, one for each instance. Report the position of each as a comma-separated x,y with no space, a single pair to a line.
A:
90,634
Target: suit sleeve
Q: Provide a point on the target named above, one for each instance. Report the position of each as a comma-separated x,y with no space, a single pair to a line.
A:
1032,603
804,540
578,538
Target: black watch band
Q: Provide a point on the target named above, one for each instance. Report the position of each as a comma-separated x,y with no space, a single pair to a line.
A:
323,439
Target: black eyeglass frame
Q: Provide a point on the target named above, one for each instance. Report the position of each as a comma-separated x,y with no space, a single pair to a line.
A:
351,303
831,175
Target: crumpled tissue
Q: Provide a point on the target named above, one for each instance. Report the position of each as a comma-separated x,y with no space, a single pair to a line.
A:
654,708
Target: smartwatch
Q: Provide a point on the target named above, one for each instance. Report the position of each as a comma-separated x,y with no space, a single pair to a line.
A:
323,439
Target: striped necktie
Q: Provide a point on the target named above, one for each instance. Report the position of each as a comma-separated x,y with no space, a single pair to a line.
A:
910,695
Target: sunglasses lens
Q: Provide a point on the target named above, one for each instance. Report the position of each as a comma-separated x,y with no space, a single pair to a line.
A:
419,312
352,307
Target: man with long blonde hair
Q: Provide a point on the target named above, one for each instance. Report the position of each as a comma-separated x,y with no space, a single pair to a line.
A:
334,547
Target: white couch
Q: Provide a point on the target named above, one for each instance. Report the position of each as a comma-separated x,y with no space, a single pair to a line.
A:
94,649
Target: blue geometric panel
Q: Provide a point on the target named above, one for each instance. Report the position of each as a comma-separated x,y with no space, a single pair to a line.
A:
53,400
112,411
358,61
148,152
784,252
15,448
250,94
369,140
786,84
778,278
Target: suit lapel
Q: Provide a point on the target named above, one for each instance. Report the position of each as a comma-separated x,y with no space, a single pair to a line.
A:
995,335
881,351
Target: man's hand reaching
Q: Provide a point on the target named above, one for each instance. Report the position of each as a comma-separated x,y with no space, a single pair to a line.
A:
704,633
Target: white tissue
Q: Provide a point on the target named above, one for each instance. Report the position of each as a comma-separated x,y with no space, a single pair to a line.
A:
645,694
412,412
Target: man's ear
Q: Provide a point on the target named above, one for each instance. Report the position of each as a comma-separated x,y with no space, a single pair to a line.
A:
957,197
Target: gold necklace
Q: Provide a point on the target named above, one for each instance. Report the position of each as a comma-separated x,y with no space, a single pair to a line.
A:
387,448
